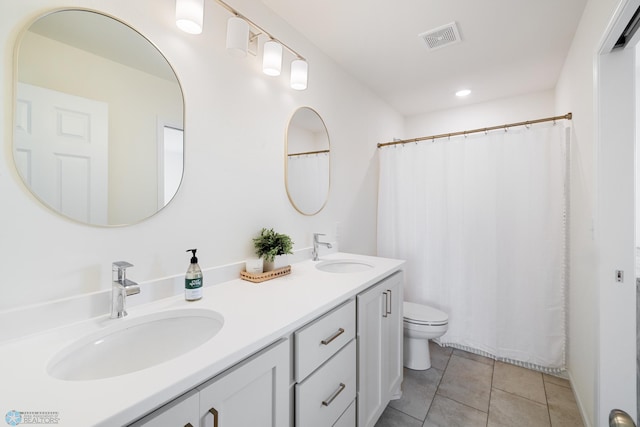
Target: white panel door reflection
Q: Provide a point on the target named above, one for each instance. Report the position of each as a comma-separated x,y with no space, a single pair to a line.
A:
62,151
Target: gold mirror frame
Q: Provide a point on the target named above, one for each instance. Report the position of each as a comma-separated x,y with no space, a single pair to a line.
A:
307,140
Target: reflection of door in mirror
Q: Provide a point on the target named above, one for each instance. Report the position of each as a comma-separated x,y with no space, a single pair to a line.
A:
95,57
61,150
170,162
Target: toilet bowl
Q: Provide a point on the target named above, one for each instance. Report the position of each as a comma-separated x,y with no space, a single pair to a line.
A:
421,323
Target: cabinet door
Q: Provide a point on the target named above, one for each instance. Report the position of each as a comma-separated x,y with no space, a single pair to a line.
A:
392,336
371,392
253,393
379,348
183,411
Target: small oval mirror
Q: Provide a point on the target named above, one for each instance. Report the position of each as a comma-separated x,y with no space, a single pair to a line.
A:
307,165
98,119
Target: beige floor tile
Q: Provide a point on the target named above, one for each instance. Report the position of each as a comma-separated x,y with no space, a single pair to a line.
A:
473,356
520,381
552,379
509,410
449,413
418,389
562,406
468,382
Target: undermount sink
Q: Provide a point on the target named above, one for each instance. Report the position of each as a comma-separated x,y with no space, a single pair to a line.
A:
343,266
130,345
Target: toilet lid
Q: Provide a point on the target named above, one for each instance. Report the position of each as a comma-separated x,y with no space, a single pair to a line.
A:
420,313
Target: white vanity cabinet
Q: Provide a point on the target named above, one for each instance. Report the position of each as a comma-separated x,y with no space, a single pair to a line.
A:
379,348
325,369
181,412
338,370
252,393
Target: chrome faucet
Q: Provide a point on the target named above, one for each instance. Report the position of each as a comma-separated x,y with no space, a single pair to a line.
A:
316,243
121,287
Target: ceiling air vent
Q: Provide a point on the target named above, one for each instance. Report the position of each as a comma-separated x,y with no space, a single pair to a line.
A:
441,36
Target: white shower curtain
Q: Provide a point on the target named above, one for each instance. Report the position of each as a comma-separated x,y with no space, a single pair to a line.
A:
308,181
481,222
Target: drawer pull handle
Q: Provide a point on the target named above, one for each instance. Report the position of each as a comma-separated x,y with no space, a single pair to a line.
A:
334,395
326,341
390,303
215,416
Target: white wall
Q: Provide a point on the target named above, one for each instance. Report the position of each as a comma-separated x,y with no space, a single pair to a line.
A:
476,116
234,157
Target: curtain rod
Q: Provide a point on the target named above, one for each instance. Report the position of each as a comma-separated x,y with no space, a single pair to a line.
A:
308,152
567,116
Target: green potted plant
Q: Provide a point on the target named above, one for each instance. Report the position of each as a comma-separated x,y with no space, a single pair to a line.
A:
270,244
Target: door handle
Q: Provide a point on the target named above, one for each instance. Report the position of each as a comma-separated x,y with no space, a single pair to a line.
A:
390,302
619,418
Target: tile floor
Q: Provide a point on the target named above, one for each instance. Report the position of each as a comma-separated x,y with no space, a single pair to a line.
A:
465,390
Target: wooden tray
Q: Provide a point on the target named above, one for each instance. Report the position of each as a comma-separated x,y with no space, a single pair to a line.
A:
268,275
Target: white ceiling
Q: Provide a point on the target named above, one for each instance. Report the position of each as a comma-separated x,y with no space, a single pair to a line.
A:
508,48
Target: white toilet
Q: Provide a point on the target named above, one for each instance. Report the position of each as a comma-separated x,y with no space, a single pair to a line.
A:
421,323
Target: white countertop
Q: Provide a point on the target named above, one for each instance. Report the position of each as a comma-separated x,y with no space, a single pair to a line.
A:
255,315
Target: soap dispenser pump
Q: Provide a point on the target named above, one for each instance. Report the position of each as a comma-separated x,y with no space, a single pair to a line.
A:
193,279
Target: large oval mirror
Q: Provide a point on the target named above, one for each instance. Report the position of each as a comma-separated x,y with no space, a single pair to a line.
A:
307,163
98,119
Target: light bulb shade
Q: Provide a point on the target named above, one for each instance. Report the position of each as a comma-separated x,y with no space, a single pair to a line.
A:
237,36
299,72
189,15
272,58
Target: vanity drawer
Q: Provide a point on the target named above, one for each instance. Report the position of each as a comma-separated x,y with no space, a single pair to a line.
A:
323,397
321,339
348,417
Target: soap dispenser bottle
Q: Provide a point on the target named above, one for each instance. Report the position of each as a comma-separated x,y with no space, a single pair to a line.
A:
193,279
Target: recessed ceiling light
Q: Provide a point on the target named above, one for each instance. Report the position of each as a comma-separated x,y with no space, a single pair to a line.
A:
463,92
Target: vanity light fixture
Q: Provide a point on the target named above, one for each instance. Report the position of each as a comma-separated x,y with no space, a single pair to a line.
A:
462,93
299,71
272,58
242,36
189,15
237,36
